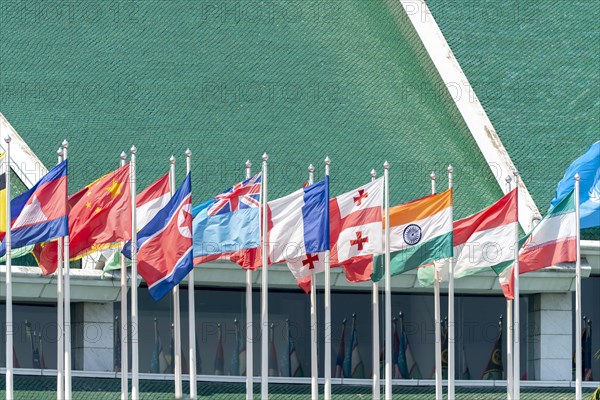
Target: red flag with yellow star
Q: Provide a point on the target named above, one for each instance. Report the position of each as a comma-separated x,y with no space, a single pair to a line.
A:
102,215
99,215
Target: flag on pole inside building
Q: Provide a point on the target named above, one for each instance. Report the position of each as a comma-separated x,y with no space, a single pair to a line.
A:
552,241
409,369
396,352
158,362
341,354
42,358
165,244
588,168
148,203
273,363
40,213
444,350
420,233
239,352
117,345
587,352
219,364
353,364
299,228
495,368
481,241
466,374
290,365
16,363
229,222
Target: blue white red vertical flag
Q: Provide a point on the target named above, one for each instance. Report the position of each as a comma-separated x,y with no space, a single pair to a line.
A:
299,223
165,244
40,213
229,222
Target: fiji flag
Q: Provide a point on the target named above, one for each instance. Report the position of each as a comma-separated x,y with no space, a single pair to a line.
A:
588,168
40,213
229,222
165,244
299,223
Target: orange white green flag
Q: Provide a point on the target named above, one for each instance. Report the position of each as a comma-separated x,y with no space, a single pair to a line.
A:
420,233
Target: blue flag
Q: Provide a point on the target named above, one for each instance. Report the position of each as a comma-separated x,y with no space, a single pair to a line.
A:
588,168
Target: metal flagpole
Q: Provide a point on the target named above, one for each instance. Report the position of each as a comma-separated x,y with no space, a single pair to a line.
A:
437,320
314,366
176,308
516,312
578,372
388,286
124,344
60,314
9,311
67,298
135,382
375,326
249,323
191,309
509,331
451,362
327,301
264,309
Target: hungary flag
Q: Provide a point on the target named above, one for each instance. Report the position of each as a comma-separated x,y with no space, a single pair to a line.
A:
552,241
420,233
481,241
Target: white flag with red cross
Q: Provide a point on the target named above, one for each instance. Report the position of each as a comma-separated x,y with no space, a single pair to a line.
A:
355,220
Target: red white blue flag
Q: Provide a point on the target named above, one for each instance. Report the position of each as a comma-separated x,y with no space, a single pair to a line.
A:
40,213
165,244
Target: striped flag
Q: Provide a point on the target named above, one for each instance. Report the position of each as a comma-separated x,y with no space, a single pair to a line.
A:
339,361
551,242
420,233
481,241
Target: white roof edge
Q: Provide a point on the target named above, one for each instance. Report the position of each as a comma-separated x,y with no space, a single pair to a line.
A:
469,106
24,162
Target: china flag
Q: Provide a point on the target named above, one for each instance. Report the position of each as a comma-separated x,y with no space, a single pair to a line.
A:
100,214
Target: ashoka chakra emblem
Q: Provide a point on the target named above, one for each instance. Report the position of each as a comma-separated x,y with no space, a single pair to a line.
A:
412,234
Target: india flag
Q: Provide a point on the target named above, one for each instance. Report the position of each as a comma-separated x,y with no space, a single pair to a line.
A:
420,233
552,241
481,241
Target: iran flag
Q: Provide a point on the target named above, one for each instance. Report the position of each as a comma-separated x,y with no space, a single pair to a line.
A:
355,231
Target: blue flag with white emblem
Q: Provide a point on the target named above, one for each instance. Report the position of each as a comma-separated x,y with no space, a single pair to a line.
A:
588,168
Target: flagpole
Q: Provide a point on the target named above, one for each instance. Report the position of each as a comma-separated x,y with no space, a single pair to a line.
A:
388,287
249,323
8,274
327,301
437,320
60,314
67,298
264,309
176,308
451,362
516,312
578,355
314,367
191,309
124,344
509,332
135,388
375,326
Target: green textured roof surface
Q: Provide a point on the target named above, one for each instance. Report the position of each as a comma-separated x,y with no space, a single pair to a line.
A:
28,387
535,67
300,80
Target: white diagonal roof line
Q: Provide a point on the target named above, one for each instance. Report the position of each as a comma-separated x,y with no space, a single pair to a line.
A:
469,106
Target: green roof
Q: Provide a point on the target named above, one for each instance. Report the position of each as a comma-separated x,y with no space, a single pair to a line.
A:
536,70
40,388
349,79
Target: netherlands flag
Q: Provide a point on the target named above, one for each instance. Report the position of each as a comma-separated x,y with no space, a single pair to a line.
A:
40,213
165,244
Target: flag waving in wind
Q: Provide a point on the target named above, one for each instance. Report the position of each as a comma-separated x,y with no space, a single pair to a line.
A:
40,213
165,244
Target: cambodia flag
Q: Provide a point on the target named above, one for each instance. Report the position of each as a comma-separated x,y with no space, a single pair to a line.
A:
40,213
165,244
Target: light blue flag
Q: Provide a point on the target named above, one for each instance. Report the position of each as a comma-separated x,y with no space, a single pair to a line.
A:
229,222
588,168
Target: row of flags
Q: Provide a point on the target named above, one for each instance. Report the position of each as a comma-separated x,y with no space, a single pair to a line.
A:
305,229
